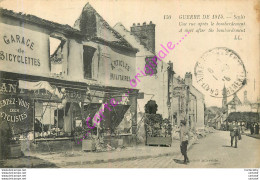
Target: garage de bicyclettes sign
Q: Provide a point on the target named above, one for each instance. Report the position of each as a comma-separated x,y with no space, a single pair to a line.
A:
23,59
23,51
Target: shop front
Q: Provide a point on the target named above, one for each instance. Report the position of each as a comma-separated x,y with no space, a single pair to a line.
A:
45,114
53,78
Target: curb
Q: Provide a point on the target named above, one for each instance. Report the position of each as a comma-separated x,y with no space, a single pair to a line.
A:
252,136
115,160
64,164
124,159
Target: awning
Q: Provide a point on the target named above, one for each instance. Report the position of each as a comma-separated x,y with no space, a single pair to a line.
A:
40,85
89,111
243,117
114,117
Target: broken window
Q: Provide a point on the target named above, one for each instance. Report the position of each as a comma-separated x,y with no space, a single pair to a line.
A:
88,53
56,55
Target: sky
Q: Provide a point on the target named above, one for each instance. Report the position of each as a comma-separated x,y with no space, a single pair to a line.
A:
185,56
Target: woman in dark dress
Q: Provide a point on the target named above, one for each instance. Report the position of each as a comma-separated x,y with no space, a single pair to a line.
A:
252,128
256,128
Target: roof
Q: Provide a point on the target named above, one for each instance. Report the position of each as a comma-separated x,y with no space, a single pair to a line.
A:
193,88
132,38
137,43
243,116
234,101
121,41
41,22
214,110
68,30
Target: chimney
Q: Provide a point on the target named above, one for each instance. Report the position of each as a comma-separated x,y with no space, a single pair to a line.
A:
170,68
170,64
146,34
188,78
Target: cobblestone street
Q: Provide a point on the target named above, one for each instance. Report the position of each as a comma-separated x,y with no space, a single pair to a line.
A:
214,151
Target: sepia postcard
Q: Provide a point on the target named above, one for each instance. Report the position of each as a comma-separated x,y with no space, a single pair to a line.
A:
129,84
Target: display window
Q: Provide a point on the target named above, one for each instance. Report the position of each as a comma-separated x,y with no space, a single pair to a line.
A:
52,120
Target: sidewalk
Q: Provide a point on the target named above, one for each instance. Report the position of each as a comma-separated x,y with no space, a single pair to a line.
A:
257,136
52,160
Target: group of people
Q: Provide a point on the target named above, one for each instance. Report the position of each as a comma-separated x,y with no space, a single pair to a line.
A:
235,134
254,128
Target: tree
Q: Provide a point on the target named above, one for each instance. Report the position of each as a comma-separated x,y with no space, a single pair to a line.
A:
151,107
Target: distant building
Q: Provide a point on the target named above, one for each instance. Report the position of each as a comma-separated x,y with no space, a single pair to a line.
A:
236,105
196,104
236,110
214,117
187,103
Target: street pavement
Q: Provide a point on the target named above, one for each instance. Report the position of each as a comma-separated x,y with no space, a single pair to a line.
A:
213,151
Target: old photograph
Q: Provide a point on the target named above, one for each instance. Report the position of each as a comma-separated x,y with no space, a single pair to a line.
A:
129,84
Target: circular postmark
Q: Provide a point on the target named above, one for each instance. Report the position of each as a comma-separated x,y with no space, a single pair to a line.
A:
218,68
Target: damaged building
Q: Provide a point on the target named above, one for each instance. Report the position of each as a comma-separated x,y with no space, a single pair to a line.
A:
54,76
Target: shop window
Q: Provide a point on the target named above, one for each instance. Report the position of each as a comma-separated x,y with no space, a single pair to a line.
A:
151,67
88,53
56,55
50,120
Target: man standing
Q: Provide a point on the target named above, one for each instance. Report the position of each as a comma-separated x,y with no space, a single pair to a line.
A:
234,133
184,140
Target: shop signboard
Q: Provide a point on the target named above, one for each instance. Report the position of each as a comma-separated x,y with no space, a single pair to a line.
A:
17,111
11,87
117,70
23,51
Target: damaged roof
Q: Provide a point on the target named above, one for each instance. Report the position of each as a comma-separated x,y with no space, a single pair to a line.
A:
120,42
68,30
132,38
41,22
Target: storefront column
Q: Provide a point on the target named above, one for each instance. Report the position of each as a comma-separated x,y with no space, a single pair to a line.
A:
33,121
134,109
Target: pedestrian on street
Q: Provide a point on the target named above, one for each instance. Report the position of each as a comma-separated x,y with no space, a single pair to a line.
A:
227,127
256,128
234,133
184,140
240,131
252,128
